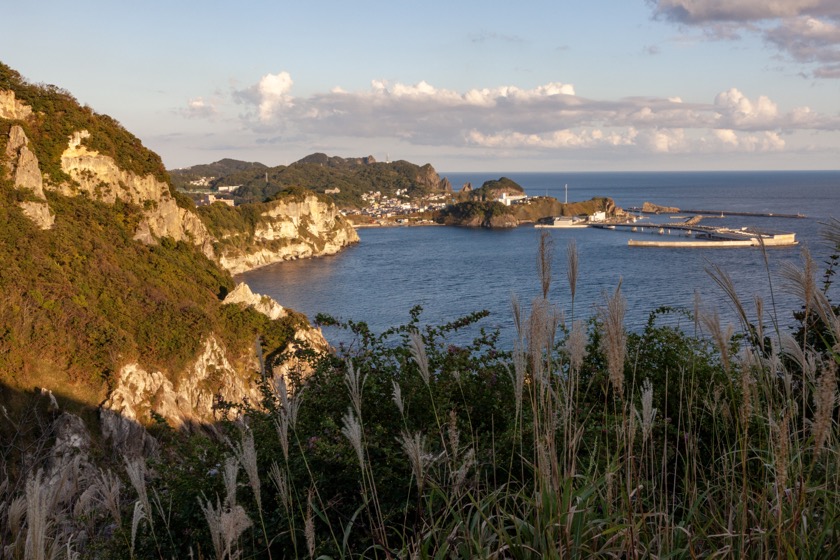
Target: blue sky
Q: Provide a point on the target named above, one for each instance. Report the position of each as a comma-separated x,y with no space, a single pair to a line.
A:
579,85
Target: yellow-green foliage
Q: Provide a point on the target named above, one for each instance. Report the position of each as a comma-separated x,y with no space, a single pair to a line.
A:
57,115
85,298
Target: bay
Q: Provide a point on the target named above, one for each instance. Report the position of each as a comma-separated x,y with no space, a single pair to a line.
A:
452,272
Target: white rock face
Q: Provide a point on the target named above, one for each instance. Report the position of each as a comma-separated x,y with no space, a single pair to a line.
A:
39,213
264,304
26,175
139,393
22,163
101,178
290,230
11,108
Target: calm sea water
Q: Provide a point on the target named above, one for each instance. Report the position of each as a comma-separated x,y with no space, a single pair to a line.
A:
452,272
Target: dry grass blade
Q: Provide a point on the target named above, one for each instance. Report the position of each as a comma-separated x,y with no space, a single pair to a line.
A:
247,455
572,269
831,232
355,382
352,430
414,449
722,279
615,337
418,351
545,255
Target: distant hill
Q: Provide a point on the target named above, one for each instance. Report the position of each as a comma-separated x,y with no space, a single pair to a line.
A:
345,179
190,178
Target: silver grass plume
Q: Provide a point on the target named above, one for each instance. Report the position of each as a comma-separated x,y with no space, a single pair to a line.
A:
136,470
806,360
309,527
38,501
230,473
721,338
801,282
397,396
542,329
723,280
545,255
109,487
282,485
352,430
460,475
576,345
781,451
138,516
648,412
15,514
454,435
825,399
246,452
615,338
226,525
355,382
572,269
281,423
831,232
414,448
418,351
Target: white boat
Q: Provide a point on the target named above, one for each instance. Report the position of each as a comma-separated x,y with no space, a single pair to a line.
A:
563,222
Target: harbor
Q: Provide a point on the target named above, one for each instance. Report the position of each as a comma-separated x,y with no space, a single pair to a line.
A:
697,236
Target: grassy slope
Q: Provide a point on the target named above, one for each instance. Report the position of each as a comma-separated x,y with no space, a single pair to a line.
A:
83,299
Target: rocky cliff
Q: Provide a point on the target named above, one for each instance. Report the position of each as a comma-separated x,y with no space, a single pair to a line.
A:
112,283
293,226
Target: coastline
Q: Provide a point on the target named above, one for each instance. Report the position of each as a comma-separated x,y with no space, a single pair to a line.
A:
394,224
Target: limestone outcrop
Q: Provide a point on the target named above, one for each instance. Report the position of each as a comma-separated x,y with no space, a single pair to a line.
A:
26,175
190,397
11,108
242,294
286,230
138,393
101,178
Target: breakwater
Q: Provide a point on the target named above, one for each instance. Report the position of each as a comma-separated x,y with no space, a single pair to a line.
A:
721,213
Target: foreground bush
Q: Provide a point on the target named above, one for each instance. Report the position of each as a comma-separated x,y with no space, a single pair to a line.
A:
580,441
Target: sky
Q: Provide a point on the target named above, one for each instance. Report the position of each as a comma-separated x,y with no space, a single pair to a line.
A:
561,85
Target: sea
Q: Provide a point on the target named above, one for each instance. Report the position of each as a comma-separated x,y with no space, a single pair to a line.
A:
452,272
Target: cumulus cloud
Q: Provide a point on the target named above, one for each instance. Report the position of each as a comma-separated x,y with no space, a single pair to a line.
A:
268,95
548,117
199,108
807,31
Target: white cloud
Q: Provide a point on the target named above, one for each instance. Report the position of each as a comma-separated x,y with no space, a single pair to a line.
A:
199,108
735,108
273,93
808,31
549,117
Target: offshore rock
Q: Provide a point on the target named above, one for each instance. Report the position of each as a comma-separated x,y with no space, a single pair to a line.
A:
651,208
